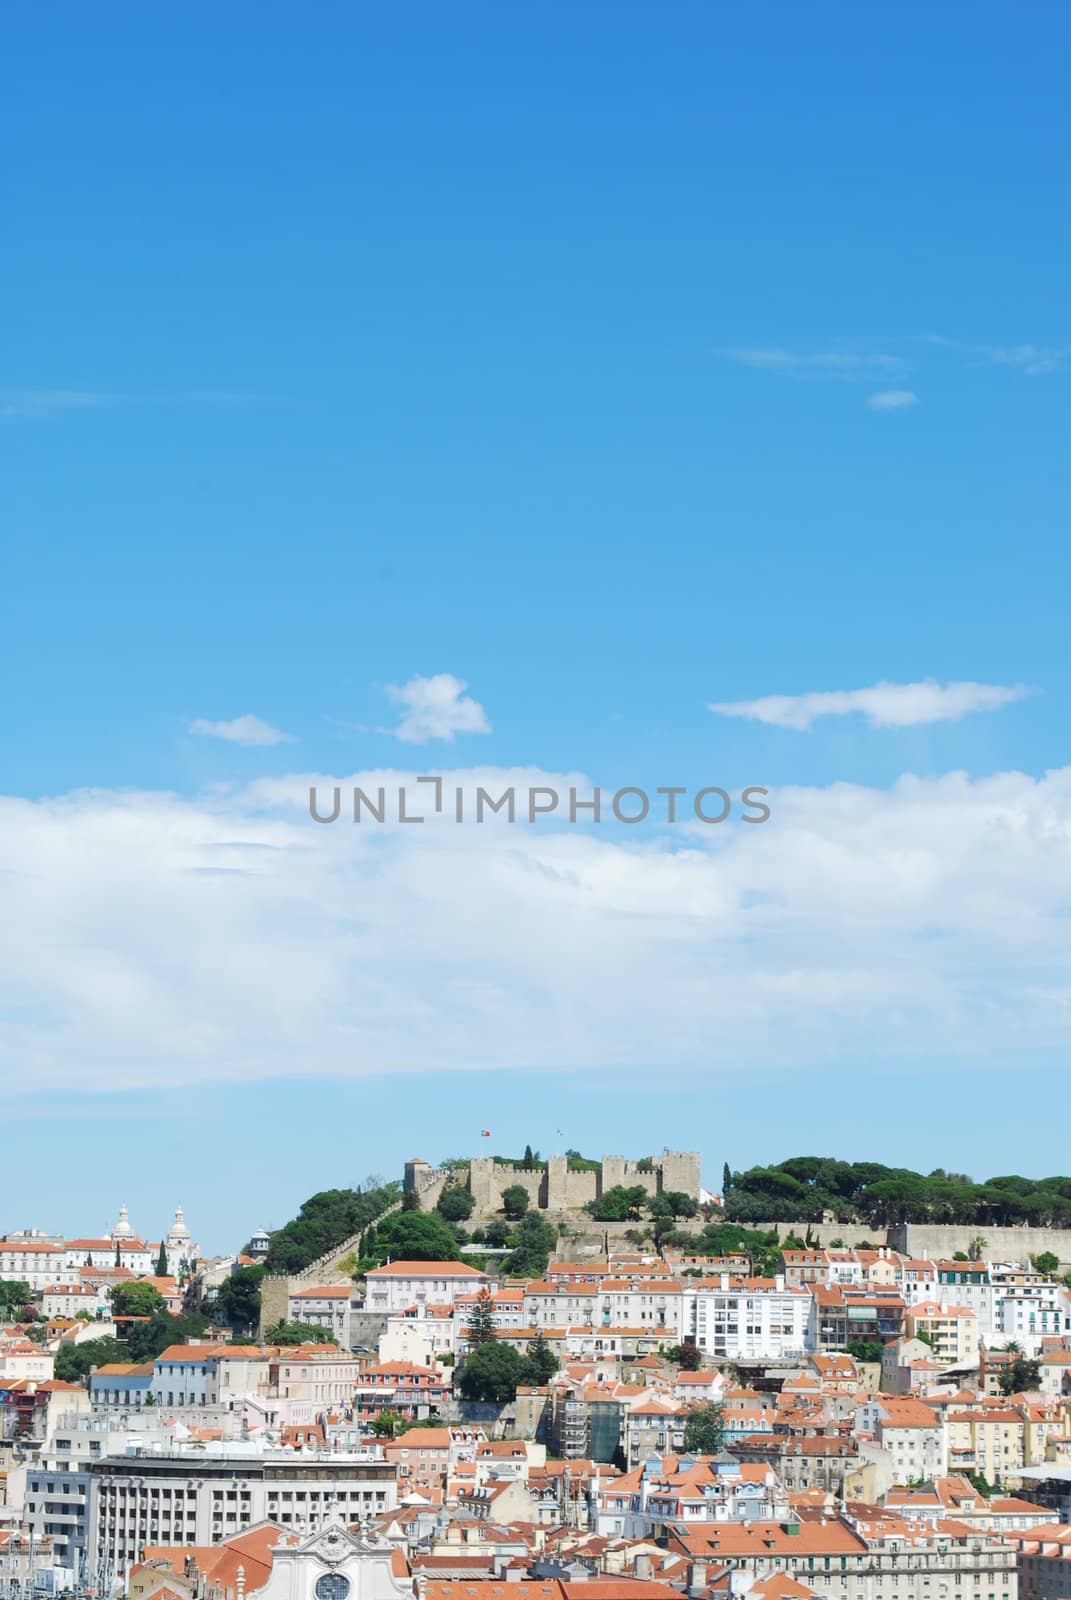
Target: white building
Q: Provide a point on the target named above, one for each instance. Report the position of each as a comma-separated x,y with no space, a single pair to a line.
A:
335,1564
746,1319
203,1375
34,1261
202,1495
401,1284
326,1306
911,1434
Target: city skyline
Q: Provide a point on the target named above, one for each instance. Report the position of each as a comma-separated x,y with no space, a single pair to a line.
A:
535,403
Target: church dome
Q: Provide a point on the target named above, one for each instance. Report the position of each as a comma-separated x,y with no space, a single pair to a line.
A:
122,1229
178,1231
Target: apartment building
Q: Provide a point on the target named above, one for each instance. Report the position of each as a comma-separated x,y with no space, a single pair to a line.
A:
950,1331
989,1440
845,1558
746,1319
402,1284
325,1305
910,1432
201,1495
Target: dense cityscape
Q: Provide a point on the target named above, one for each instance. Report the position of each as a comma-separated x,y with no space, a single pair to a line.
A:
573,1375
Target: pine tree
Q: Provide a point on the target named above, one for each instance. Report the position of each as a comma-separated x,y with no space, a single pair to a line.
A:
161,1262
726,1180
480,1328
544,1361
528,1158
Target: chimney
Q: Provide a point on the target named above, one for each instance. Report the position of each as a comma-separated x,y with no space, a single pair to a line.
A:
697,1577
643,1567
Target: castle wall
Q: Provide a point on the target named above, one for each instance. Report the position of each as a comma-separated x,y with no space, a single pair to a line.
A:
1001,1244
555,1187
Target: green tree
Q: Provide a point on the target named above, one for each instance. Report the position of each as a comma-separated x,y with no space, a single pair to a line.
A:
386,1424
1047,1263
532,1243
414,1236
161,1261
135,1299
491,1374
481,1324
619,1204
726,1180
325,1221
1020,1377
239,1297
455,1204
145,1340
541,1363
73,1361
864,1349
515,1200
15,1293
704,1431
298,1333
528,1158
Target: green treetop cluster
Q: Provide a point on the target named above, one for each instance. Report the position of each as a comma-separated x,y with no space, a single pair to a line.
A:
806,1187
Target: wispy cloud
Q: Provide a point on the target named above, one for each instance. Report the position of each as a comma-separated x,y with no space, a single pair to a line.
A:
241,730
885,705
436,708
892,399
37,405
1033,359
843,365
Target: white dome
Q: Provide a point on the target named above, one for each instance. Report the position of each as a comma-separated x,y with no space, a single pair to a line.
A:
178,1229
122,1229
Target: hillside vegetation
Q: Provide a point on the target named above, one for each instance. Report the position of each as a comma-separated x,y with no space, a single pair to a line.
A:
802,1189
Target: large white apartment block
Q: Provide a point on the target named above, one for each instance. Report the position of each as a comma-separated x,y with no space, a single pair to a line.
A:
185,1496
746,1319
404,1284
34,1262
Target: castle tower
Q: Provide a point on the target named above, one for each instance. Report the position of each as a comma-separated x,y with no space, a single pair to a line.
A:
416,1170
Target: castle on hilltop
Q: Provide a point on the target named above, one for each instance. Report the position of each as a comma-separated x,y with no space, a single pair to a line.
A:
559,1183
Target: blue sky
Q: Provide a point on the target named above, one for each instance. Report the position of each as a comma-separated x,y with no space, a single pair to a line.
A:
614,360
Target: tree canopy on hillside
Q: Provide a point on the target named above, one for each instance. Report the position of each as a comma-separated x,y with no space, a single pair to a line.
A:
805,1187
411,1236
325,1221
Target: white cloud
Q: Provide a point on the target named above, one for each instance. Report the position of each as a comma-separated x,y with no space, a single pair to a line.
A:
241,730
849,366
150,939
35,405
885,705
892,399
436,708
1034,360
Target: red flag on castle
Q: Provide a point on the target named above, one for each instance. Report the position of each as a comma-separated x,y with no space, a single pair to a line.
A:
485,1133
